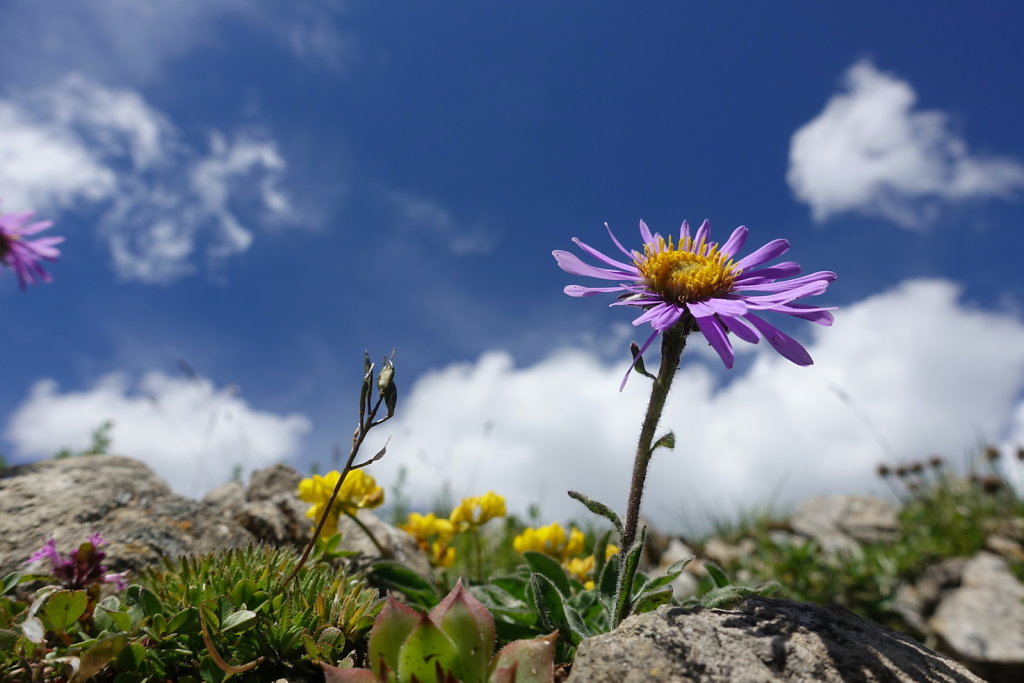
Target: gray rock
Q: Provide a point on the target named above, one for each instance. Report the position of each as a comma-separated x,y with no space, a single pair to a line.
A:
760,640
982,622
917,603
231,494
724,554
121,498
839,523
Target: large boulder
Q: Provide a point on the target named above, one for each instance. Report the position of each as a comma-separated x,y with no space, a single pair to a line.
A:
120,498
760,640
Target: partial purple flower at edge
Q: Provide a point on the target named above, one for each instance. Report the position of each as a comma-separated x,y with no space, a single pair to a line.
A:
22,255
82,567
699,279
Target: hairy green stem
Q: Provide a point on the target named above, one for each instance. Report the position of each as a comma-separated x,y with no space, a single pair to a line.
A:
672,343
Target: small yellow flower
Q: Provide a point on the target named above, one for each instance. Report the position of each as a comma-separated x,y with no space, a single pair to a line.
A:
441,555
359,490
550,540
581,567
474,512
425,527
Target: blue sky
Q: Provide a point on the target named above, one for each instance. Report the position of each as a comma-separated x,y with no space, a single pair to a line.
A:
264,190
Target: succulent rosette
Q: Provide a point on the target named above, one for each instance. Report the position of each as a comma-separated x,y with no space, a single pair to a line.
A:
701,285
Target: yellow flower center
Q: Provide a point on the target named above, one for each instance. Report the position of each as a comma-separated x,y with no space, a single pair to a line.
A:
687,271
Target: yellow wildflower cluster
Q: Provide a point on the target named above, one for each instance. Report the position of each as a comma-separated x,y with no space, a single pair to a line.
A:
553,541
432,533
550,540
359,490
476,511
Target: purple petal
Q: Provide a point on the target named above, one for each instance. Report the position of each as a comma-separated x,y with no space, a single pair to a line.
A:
661,317
815,314
788,347
784,297
703,232
735,242
715,334
684,232
601,257
571,264
36,227
825,276
703,309
580,290
639,355
740,328
628,254
645,233
784,269
766,253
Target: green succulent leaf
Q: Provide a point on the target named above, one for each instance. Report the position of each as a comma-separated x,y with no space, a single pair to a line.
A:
427,652
549,567
526,661
394,624
469,625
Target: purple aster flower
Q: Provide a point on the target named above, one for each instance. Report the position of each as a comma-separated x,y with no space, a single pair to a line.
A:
82,567
698,282
22,255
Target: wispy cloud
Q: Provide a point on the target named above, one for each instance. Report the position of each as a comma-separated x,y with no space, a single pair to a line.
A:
871,151
134,41
427,218
776,434
164,204
190,432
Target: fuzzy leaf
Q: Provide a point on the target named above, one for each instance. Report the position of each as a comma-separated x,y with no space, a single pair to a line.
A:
393,625
549,567
624,589
649,600
549,602
634,350
526,661
609,581
667,440
671,574
599,509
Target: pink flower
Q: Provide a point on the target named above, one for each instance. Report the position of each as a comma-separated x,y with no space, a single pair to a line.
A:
22,255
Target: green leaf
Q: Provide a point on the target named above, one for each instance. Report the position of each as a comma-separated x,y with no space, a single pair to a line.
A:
608,583
394,624
131,657
717,575
671,574
394,576
667,440
143,600
96,657
63,609
242,591
634,351
549,601
624,589
599,509
526,661
185,621
649,600
549,567
9,582
238,621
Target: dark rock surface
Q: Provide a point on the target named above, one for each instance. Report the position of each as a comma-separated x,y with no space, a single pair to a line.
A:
760,640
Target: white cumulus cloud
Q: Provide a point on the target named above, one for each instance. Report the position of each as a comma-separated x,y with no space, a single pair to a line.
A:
871,151
164,204
193,434
901,375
